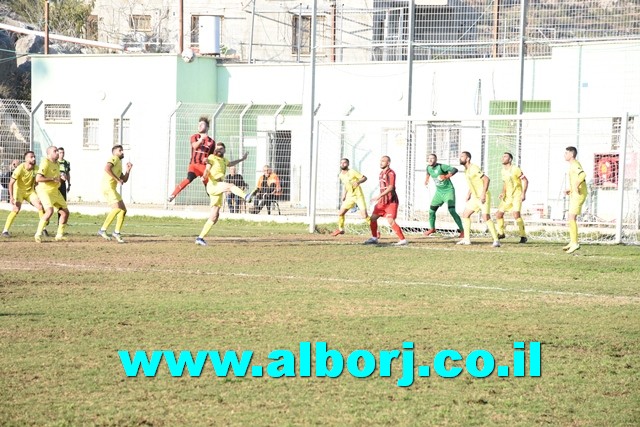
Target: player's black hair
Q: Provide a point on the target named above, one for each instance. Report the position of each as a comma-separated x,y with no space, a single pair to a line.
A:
573,150
509,154
204,119
432,154
345,159
26,153
60,148
468,154
115,147
221,144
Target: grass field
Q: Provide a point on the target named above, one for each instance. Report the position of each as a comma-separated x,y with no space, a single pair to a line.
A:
67,308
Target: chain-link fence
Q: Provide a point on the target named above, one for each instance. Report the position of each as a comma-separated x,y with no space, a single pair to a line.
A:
15,137
262,131
538,145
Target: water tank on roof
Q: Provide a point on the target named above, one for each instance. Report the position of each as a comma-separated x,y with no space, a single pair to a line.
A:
209,35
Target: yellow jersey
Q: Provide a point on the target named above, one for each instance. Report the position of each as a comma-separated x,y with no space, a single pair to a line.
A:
50,170
218,167
577,176
474,179
513,184
347,179
107,180
25,179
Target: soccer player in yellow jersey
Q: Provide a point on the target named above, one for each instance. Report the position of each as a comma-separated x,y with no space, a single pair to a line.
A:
478,199
577,195
21,188
514,192
48,190
352,194
214,172
110,179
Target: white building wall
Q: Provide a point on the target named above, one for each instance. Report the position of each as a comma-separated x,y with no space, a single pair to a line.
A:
96,88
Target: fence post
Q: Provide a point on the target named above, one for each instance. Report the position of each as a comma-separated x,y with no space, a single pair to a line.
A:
621,171
175,110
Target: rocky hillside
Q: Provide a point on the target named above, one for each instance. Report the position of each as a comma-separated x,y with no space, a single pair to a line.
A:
15,66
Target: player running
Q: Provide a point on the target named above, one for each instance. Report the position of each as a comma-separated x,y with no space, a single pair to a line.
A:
22,187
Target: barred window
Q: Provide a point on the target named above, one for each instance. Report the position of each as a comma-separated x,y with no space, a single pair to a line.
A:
57,113
90,133
140,23
301,33
125,132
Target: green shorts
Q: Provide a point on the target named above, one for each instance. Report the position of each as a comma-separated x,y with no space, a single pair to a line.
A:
444,196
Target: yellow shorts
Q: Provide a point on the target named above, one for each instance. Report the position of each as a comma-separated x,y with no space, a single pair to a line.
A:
216,193
51,200
30,196
111,195
511,205
575,203
350,202
475,205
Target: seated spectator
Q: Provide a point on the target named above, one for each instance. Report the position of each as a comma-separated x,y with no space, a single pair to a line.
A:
236,179
267,190
6,177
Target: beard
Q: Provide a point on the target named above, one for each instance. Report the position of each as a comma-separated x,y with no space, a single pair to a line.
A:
344,168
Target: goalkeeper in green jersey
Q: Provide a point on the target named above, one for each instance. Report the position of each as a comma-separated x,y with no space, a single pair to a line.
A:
445,192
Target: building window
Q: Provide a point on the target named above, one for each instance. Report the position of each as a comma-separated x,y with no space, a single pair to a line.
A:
125,132
90,133
301,33
443,140
195,31
140,23
57,113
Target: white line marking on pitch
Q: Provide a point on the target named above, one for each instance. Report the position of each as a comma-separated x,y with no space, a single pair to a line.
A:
303,279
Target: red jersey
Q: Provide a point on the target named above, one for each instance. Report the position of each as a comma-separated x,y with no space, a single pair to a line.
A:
203,150
388,178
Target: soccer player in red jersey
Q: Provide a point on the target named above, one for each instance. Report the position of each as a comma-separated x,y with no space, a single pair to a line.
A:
386,204
202,146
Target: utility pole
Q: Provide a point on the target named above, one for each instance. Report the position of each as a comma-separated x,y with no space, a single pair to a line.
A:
46,27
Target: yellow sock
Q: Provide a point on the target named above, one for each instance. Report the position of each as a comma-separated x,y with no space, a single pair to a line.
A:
368,220
500,224
573,232
41,225
466,225
492,229
341,222
107,222
61,228
206,229
120,220
520,223
10,218
40,214
238,192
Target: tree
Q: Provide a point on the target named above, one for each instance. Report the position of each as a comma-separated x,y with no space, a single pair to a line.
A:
66,17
